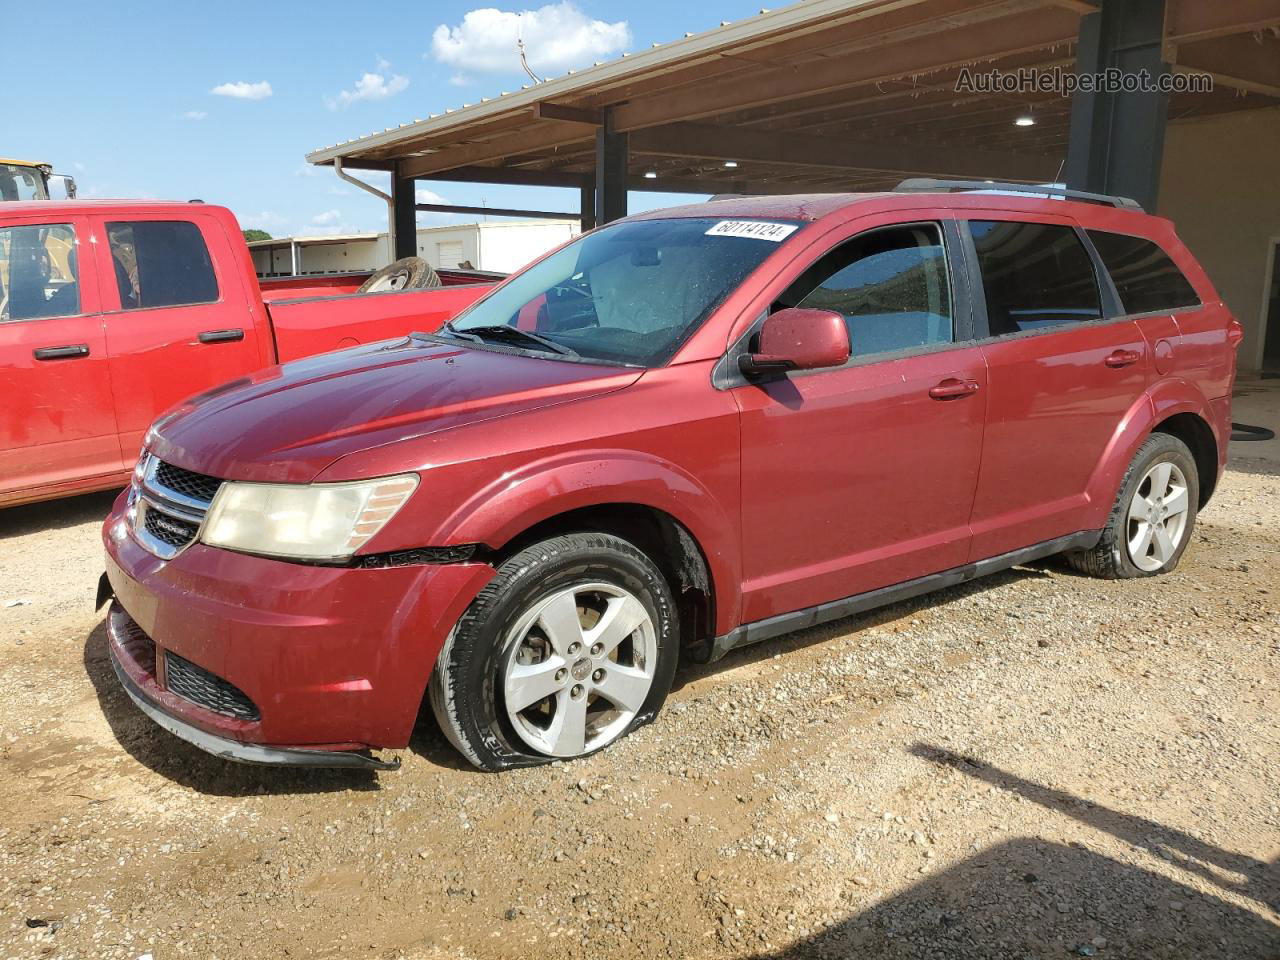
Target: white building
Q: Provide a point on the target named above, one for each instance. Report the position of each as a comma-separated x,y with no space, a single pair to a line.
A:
500,245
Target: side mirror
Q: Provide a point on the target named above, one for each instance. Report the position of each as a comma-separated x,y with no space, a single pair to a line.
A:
798,338
68,185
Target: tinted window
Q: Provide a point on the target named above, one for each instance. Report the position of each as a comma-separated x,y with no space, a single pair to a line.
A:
1035,275
161,263
890,285
39,276
1146,279
629,292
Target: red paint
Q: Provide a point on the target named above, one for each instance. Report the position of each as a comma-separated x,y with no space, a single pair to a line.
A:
76,425
798,490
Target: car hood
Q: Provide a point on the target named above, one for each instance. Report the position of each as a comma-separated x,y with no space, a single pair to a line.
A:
285,424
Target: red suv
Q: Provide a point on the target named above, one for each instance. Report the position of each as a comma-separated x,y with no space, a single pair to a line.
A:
682,432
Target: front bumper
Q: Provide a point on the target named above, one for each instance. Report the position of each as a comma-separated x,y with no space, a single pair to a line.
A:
330,658
232,749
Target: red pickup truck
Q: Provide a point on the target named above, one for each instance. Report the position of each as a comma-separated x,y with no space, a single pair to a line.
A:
112,311
682,432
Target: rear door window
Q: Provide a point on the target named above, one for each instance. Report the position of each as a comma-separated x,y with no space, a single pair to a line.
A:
39,275
1035,276
161,263
1145,278
890,285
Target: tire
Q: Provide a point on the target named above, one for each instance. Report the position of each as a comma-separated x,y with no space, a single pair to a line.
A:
515,643
408,273
1125,550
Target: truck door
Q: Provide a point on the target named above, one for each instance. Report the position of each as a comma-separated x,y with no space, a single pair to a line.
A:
176,321
57,419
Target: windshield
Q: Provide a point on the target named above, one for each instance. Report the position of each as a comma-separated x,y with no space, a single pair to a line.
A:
627,293
19,182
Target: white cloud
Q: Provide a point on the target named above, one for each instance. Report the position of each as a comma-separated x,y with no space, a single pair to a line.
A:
370,86
195,115
243,91
422,195
556,37
326,218
262,220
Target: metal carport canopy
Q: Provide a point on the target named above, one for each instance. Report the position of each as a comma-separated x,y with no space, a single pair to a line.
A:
820,95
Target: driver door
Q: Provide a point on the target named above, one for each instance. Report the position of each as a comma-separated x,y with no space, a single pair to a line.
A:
58,426
863,476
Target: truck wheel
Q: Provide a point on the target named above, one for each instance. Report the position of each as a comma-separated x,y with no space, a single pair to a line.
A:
408,273
1153,516
570,647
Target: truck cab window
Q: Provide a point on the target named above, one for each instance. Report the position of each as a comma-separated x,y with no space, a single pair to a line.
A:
890,285
1034,275
161,263
39,274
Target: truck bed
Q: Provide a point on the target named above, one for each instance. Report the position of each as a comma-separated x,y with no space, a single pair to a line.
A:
306,319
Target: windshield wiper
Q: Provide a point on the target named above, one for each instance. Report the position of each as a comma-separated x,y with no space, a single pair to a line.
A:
502,332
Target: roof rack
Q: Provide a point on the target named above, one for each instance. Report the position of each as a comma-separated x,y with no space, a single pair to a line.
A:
930,185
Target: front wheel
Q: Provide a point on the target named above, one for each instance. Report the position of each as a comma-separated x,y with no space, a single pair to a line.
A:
571,646
1153,516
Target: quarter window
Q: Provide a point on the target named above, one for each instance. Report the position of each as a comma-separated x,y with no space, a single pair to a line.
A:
39,276
890,285
161,263
1146,279
1034,276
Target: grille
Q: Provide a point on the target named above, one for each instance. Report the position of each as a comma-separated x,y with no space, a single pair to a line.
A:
169,529
169,504
206,689
187,482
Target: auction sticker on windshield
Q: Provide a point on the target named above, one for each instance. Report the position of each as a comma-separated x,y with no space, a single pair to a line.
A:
756,229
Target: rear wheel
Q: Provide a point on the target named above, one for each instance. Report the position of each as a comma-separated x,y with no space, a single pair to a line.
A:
1153,516
570,647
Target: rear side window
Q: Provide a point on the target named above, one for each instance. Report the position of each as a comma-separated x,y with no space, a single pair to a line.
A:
161,263
1034,275
890,285
1146,279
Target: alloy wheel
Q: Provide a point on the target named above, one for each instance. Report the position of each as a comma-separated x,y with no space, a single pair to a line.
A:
1158,516
577,668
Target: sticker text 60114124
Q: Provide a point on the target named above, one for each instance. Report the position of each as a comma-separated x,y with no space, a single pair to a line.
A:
754,229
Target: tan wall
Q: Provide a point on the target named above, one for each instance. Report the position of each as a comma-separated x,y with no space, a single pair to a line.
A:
1221,187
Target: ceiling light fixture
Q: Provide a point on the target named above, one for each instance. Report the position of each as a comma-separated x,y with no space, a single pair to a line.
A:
651,174
1026,120
730,164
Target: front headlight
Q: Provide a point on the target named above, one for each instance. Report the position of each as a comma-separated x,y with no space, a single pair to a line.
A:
320,521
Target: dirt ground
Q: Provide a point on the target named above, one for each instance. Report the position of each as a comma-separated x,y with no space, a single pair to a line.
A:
1033,765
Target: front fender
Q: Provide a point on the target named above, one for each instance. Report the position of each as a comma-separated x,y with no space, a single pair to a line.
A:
1160,402
496,514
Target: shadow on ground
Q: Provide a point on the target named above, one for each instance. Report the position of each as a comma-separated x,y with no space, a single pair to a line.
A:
744,656
1029,898
55,514
182,763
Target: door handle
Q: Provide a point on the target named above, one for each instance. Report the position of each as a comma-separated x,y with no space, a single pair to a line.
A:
952,389
221,336
68,352
1122,358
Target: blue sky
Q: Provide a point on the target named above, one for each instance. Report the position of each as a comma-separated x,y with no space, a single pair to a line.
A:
121,95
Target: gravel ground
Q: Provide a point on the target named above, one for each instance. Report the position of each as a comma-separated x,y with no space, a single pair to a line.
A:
1033,765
